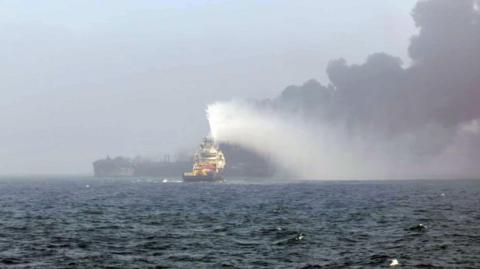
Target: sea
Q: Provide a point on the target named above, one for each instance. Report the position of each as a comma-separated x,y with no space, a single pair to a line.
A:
86,222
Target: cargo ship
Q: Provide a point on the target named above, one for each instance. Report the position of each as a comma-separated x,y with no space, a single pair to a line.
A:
208,163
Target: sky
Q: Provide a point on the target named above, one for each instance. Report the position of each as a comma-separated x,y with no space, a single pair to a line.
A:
83,79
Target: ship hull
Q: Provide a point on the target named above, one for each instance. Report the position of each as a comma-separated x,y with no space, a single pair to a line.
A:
206,178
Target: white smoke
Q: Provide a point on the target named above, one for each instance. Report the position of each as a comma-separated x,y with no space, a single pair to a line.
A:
377,119
311,151
295,147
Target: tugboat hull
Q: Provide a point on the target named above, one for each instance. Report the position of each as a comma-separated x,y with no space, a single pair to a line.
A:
203,178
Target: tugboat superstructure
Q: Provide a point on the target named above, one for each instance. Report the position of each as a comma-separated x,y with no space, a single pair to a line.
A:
208,163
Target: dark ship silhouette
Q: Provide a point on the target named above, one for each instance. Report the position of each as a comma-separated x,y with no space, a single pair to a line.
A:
241,163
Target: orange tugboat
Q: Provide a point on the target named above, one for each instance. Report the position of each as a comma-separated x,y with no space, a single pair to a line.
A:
208,163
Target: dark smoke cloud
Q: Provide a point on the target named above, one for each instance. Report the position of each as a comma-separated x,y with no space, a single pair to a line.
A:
428,102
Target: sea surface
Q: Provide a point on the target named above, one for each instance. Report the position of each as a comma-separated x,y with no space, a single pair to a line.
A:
68,222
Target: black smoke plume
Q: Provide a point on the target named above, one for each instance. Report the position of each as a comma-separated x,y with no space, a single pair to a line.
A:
430,100
428,112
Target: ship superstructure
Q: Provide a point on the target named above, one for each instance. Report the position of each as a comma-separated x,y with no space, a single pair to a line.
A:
208,163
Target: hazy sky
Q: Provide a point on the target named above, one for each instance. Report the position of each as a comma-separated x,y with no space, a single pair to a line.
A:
82,79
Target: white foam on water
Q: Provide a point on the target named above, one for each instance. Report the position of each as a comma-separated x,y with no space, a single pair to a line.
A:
394,262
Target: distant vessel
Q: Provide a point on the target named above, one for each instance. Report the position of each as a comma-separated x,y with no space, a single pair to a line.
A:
139,167
241,163
208,163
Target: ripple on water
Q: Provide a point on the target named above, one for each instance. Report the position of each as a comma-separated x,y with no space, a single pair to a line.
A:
147,224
